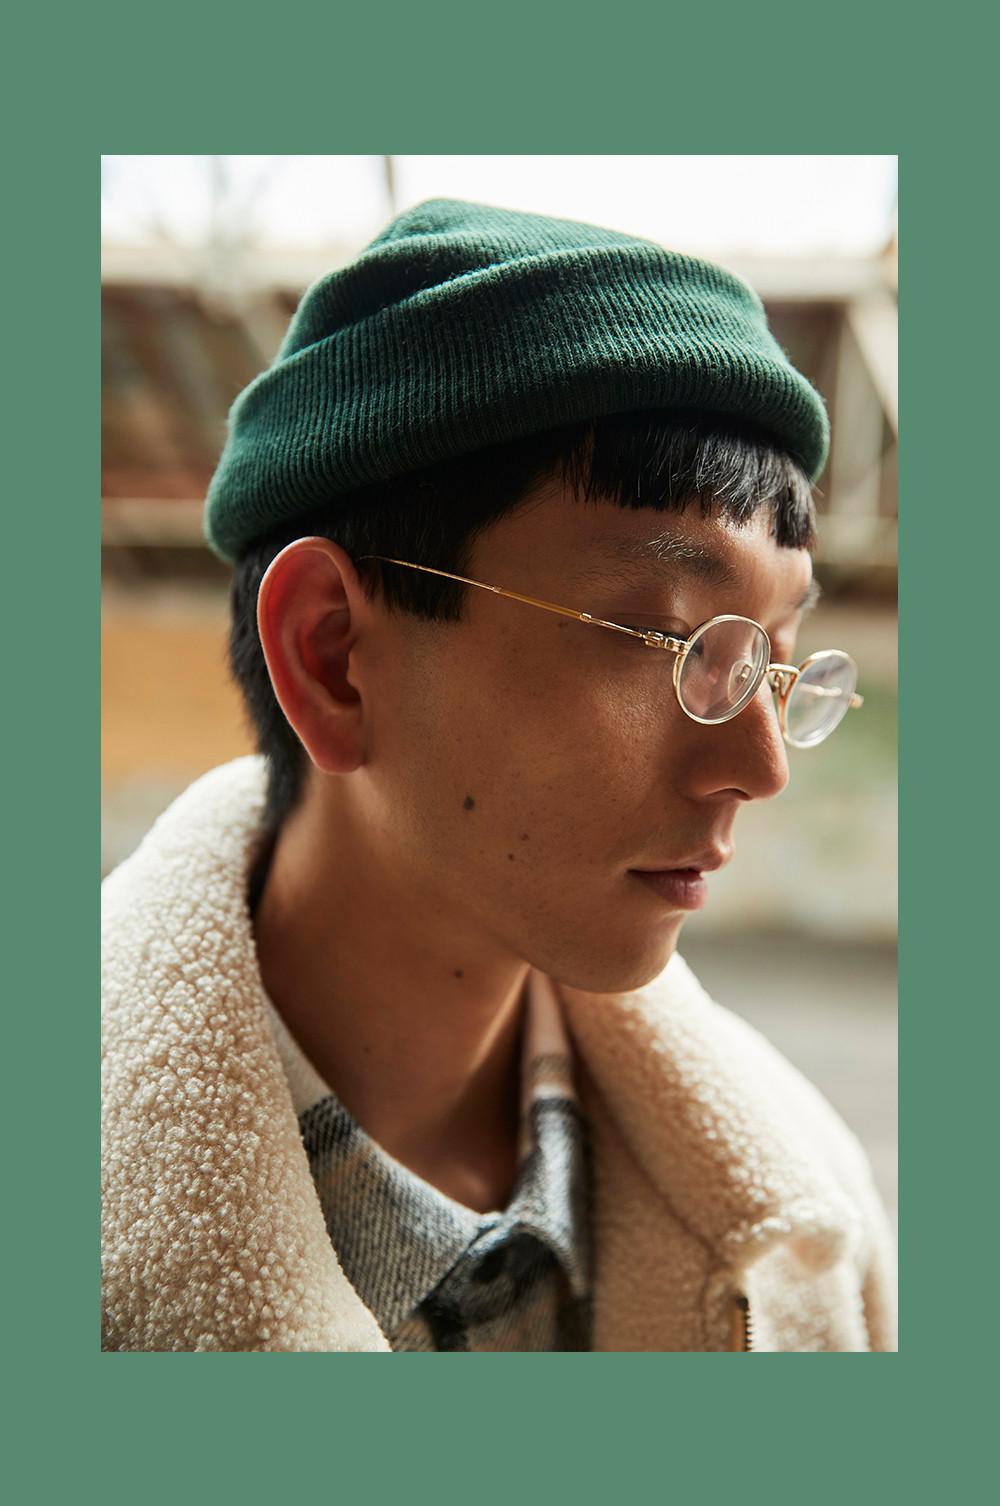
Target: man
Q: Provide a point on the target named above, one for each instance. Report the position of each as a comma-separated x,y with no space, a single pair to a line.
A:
400,1053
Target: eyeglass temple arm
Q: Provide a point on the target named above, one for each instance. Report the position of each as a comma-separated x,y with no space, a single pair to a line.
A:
651,639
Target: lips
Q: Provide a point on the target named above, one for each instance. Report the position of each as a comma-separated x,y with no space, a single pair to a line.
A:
678,888
679,883
702,862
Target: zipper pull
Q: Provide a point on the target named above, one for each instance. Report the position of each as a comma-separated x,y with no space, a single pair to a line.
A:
740,1329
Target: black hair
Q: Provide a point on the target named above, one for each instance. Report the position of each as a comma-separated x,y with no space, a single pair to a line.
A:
662,460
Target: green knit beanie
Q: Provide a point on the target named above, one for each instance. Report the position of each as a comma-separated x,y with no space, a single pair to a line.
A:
462,326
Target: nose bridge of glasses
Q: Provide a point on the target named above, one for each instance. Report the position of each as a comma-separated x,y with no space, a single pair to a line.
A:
781,677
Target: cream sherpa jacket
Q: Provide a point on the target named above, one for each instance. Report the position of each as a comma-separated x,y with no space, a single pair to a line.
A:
724,1183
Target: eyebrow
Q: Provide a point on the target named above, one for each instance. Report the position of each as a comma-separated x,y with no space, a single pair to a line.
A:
809,597
627,557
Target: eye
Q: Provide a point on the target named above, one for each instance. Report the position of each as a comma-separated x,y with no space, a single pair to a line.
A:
668,632
647,627
653,624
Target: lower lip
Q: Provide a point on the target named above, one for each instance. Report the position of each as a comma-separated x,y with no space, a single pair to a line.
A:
682,888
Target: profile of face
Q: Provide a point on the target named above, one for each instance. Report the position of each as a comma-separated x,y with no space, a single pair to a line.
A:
507,774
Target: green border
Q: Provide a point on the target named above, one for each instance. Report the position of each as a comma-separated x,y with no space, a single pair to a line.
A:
190,79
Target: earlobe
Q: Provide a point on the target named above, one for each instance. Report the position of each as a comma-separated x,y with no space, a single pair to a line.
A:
307,627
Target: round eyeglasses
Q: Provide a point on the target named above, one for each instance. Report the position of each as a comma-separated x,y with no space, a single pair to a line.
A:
719,668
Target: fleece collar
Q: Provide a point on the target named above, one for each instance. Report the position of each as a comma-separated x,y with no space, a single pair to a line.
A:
707,1109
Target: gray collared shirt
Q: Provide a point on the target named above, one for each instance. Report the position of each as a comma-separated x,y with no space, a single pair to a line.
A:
436,1274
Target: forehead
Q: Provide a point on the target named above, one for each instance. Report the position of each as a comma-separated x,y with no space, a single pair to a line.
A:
639,551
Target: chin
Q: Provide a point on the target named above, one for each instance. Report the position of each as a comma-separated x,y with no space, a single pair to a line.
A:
627,970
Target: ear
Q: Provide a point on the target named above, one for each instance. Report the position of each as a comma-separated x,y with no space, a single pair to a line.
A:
310,611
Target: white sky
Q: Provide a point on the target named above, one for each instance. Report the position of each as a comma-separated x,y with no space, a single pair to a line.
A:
793,206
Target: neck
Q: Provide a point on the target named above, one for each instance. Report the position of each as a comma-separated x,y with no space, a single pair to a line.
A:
412,1018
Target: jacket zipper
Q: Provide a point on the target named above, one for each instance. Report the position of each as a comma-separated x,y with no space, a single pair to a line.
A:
740,1327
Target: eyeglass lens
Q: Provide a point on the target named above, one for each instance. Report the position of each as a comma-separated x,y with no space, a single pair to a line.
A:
722,669
820,697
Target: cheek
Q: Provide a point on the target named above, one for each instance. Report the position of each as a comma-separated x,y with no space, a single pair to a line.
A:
562,756
574,751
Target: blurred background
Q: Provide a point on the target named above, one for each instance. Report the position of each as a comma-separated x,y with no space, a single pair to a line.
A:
204,260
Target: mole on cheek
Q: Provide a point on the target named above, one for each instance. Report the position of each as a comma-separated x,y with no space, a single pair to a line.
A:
524,836
468,803
459,973
511,856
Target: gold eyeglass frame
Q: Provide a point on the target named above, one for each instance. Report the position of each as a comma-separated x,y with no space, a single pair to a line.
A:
780,677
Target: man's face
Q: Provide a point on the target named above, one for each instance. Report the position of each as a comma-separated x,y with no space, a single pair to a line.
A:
523,764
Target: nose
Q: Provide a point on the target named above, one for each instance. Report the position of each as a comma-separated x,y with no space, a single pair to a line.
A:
745,756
